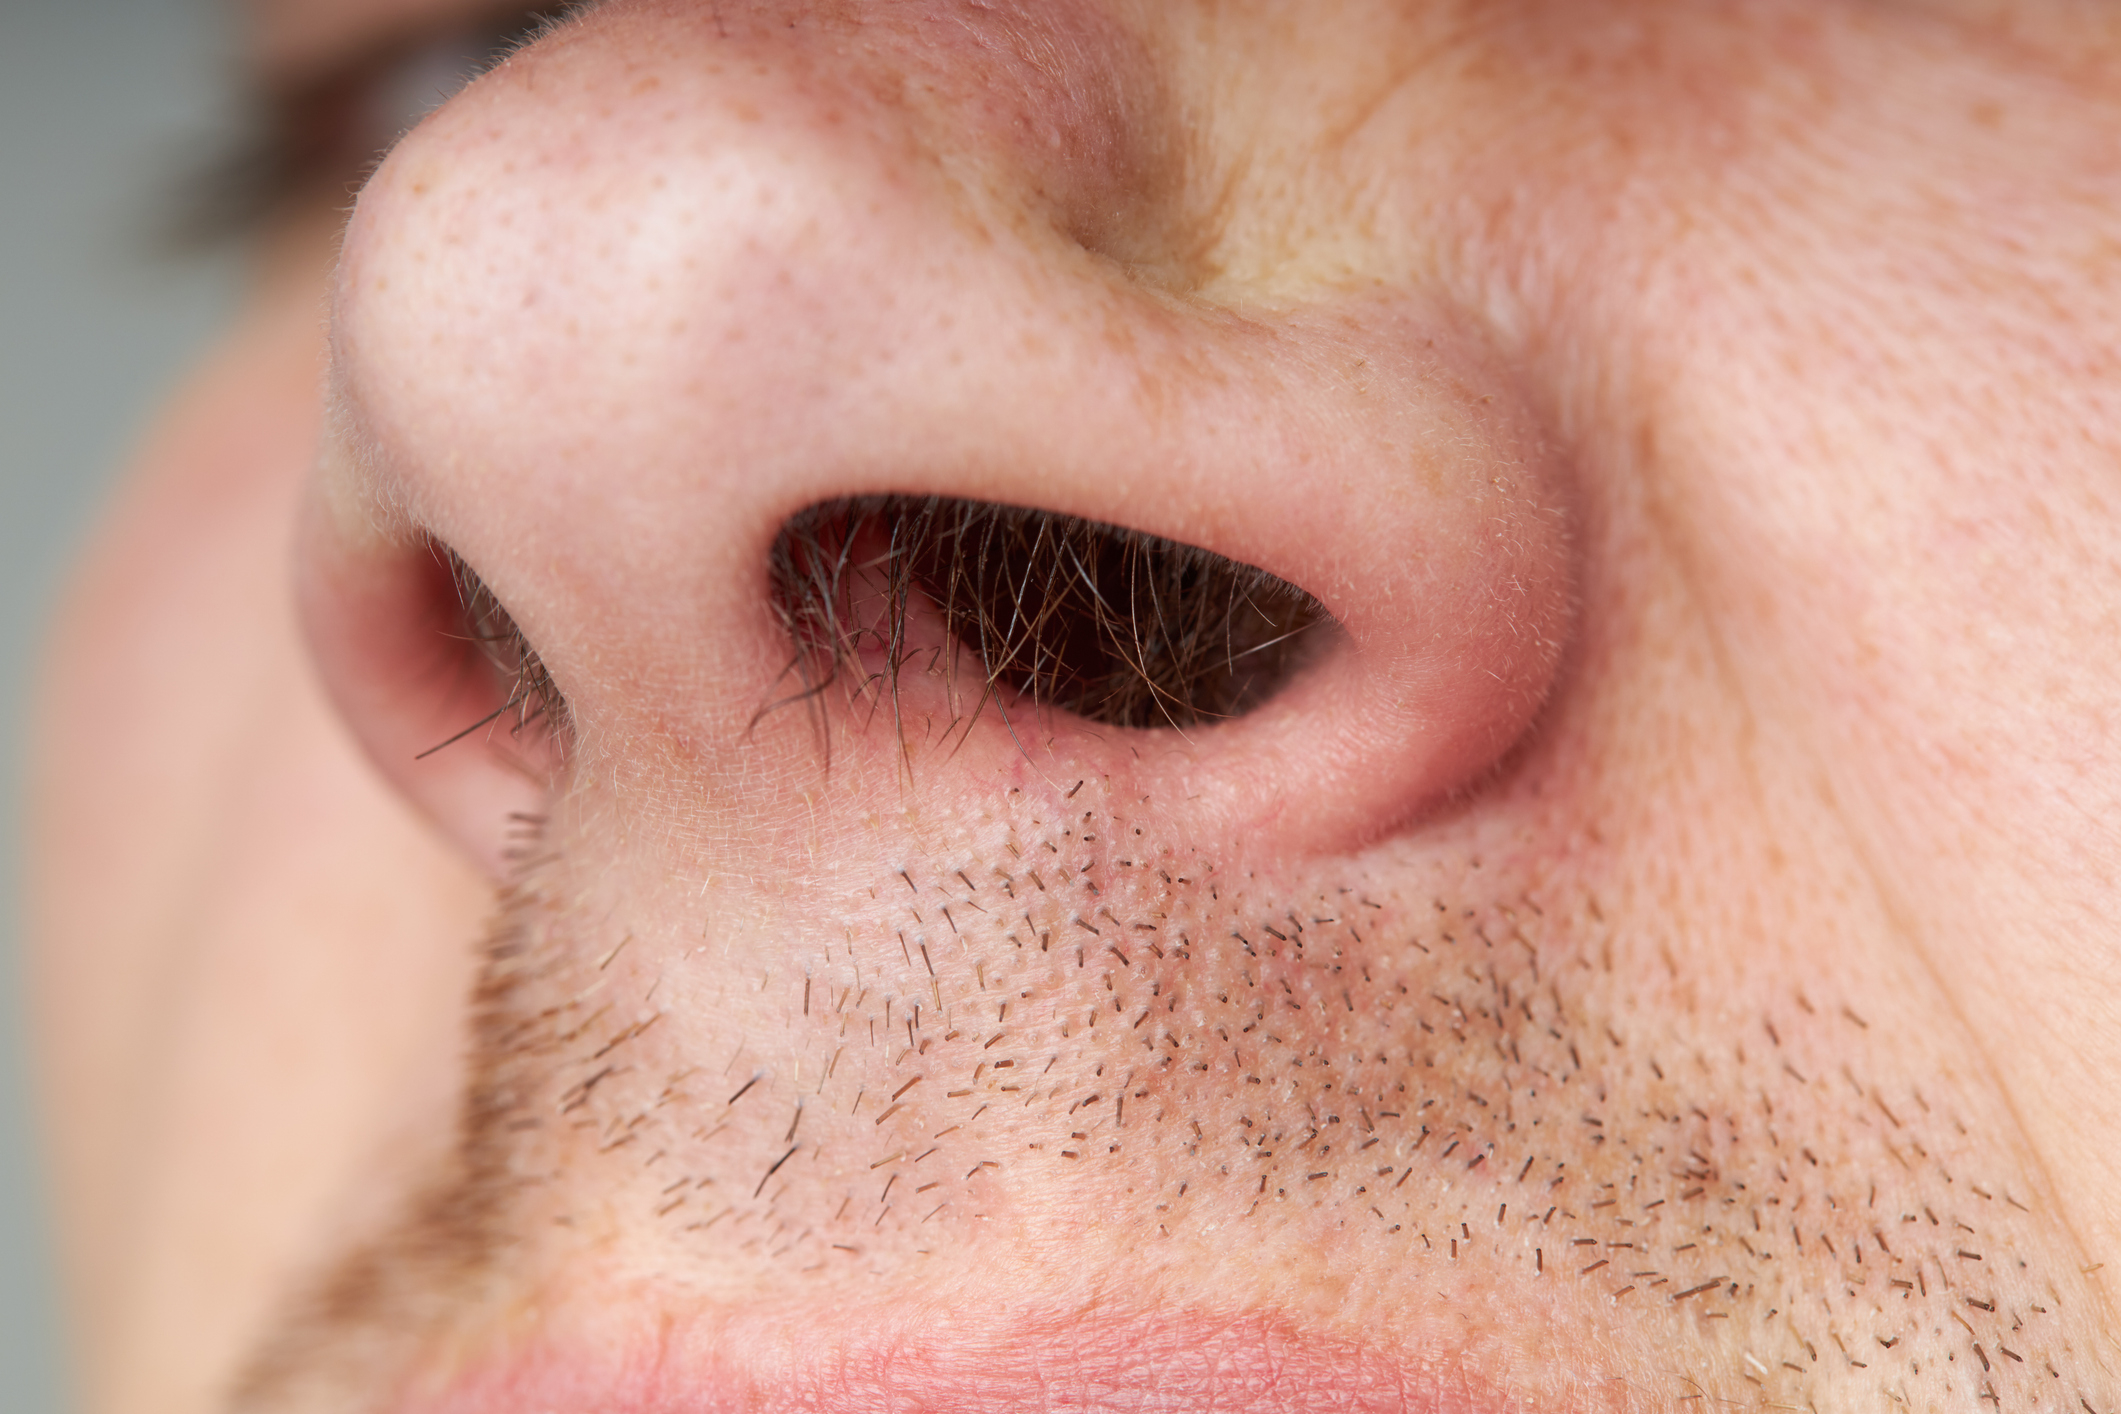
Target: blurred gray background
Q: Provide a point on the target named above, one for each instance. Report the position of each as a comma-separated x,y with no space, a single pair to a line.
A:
103,104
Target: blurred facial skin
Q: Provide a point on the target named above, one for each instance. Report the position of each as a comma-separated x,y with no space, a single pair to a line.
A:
1660,956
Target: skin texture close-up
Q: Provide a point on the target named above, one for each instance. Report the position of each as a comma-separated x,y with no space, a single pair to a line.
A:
618,925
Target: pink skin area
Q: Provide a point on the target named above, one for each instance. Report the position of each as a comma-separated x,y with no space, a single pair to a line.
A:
1658,961
1102,1360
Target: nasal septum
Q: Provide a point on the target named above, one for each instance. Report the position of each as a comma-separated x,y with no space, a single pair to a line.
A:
621,312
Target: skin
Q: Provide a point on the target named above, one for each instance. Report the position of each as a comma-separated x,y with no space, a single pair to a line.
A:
1663,955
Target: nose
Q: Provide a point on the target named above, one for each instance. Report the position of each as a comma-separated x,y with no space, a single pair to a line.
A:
678,274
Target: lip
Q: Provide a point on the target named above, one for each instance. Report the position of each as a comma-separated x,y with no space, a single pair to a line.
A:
844,1363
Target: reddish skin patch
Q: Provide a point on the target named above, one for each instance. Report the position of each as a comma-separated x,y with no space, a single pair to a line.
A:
1054,1361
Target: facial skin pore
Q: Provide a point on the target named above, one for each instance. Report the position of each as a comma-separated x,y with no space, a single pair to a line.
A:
1658,960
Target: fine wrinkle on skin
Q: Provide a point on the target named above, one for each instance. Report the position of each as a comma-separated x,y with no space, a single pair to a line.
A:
1892,903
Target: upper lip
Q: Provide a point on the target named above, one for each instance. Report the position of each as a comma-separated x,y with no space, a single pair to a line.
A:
1094,1360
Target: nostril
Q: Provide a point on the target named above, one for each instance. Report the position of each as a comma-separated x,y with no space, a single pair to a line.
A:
440,686
1119,627
530,709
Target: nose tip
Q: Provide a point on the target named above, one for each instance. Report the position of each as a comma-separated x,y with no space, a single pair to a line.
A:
662,283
